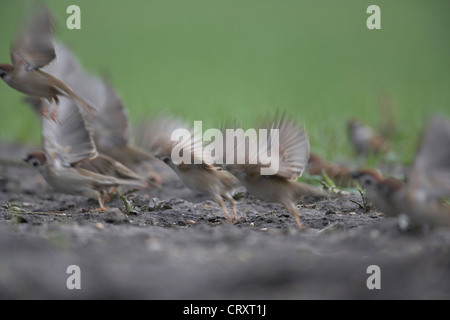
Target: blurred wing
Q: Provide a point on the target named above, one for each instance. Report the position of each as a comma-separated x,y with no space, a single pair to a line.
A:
107,166
240,149
69,139
293,146
155,135
34,43
431,167
294,149
229,124
110,124
65,66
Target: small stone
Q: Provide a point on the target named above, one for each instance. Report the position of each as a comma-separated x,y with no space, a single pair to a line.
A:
100,226
252,224
191,222
114,215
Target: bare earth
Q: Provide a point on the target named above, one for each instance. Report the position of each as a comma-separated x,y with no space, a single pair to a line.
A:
179,246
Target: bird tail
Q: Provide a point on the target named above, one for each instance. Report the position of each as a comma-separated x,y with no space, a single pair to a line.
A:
65,90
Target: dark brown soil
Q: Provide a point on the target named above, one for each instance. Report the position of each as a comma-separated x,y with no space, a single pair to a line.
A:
179,246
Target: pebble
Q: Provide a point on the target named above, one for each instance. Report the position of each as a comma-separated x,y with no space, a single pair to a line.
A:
100,226
114,215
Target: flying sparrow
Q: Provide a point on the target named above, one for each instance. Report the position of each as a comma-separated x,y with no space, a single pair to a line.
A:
281,187
31,50
70,162
427,183
110,126
200,174
364,140
340,174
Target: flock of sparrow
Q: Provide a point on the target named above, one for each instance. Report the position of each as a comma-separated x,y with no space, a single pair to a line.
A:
87,149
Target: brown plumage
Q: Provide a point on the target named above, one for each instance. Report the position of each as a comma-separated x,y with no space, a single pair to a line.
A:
377,188
427,184
364,140
110,126
203,176
340,174
282,186
70,162
32,50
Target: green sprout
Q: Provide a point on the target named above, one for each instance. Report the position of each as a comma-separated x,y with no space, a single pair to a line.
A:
330,186
365,204
15,211
130,209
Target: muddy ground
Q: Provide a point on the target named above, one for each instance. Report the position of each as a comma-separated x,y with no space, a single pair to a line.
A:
179,246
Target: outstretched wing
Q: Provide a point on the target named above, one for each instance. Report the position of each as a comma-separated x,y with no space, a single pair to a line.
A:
279,139
66,66
109,167
69,140
33,46
293,148
110,125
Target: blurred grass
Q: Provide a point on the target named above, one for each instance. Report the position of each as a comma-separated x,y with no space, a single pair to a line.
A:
208,60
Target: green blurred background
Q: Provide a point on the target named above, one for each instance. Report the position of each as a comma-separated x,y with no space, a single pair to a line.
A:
212,59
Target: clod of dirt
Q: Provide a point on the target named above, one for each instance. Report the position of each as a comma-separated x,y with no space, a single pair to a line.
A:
114,215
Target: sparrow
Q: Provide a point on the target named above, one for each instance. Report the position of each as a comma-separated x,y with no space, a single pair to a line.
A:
364,140
340,174
200,174
427,183
378,189
70,162
281,187
31,50
110,126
